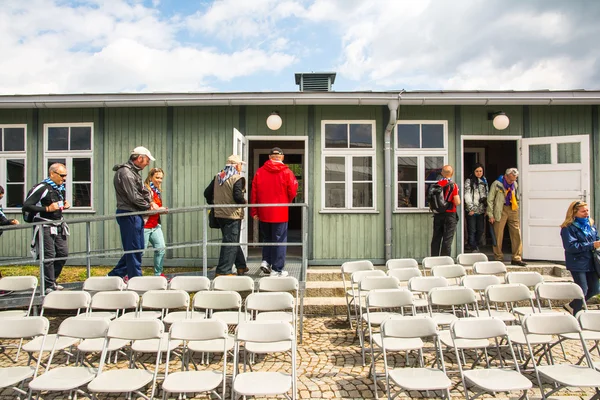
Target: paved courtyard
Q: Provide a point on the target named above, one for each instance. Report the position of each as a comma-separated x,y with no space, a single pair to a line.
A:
329,366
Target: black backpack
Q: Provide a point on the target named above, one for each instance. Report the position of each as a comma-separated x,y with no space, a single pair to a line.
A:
438,202
29,216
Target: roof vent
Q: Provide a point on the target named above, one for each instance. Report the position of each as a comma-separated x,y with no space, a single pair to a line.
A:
315,81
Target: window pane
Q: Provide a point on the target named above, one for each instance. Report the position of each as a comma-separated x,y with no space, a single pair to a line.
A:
336,136
408,136
361,136
569,153
82,194
362,168
15,193
433,136
433,168
335,195
539,154
58,138
81,138
82,170
407,168
55,160
407,194
362,195
14,139
427,186
15,171
335,169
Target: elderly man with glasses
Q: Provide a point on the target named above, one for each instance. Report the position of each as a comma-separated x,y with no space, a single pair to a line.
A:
46,201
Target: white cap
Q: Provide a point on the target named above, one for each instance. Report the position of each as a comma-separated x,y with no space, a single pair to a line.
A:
142,151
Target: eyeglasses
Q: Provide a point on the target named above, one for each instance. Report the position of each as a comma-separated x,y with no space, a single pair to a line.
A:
61,175
577,204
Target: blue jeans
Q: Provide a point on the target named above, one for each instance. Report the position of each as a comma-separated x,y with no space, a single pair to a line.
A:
155,237
132,238
589,284
274,232
230,228
475,226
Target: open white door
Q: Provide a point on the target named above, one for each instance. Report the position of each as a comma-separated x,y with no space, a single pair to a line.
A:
554,172
240,147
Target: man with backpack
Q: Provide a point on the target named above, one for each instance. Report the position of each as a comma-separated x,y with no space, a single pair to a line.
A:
46,202
443,199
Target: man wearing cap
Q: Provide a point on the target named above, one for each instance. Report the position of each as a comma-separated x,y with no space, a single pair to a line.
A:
228,187
132,196
273,183
503,209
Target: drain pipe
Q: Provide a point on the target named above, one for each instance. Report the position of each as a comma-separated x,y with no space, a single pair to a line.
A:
388,175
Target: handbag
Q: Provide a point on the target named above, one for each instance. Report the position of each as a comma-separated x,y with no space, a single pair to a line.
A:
212,220
596,257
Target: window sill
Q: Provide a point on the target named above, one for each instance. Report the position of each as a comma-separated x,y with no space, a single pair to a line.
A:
345,211
79,211
412,211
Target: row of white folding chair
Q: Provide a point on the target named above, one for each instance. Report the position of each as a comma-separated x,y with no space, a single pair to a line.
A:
18,284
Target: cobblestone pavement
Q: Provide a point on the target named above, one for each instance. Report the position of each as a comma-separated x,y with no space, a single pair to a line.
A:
330,366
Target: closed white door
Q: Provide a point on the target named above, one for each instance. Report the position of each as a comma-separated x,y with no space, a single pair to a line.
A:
554,172
240,147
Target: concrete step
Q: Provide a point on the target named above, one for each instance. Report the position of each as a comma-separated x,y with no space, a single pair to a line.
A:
324,306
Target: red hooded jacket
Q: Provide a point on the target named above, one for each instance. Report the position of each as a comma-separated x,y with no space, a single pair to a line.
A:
273,183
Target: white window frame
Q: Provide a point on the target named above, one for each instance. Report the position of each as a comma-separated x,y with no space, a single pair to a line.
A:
348,154
12,155
419,154
69,155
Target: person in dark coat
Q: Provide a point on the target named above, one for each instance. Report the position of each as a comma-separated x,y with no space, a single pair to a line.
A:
580,239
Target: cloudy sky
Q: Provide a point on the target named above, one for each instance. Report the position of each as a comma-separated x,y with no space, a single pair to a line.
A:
99,46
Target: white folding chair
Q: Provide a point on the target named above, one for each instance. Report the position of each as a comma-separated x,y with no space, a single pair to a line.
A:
70,378
18,284
561,292
285,284
413,329
96,284
421,286
235,283
468,259
451,303
404,274
111,304
157,303
263,383
359,295
348,268
223,305
398,263
561,375
21,328
590,329
272,306
129,380
185,381
456,272
430,262
479,283
489,268
527,278
141,284
192,285
498,375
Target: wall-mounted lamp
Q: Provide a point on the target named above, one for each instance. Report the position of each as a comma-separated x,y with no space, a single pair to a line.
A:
274,121
499,120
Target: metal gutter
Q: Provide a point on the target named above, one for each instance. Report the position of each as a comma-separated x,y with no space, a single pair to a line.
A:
387,174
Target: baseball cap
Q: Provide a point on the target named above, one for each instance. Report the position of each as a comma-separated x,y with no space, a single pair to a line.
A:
512,171
235,159
142,151
276,150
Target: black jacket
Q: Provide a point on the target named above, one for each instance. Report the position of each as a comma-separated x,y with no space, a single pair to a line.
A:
132,194
41,196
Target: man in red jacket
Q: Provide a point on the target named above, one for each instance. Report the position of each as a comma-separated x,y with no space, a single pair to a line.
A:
273,183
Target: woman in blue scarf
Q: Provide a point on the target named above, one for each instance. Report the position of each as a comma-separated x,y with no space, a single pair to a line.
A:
580,238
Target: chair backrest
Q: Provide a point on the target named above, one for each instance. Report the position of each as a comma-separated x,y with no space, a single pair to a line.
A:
419,326
165,299
142,284
468,259
527,278
452,296
198,329
480,282
378,282
264,331
449,271
270,301
136,329
550,324
478,328
508,293
430,262
358,276
396,263
278,284
589,320
424,284
23,327
18,283
404,274
84,328
117,300
67,300
235,283
389,298
489,267
222,300
559,291
103,284
350,267
190,284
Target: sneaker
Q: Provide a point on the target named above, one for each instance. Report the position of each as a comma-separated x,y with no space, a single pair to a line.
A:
274,273
59,287
242,271
283,273
49,290
567,307
475,250
279,273
265,267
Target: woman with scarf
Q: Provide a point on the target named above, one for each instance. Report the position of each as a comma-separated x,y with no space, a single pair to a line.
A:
475,198
580,238
153,233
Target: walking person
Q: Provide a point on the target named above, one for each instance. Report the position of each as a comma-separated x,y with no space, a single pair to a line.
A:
503,209
273,183
132,196
444,223
47,202
3,219
153,233
228,187
580,239
476,192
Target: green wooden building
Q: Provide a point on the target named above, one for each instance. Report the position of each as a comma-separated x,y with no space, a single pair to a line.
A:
364,160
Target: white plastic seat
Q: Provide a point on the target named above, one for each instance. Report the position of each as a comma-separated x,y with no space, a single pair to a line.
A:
192,285
421,286
111,303
20,328
404,274
18,284
558,291
141,284
455,271
233,283
399,263
489,268
498,376
96,284
527,278
479,283
159,302
128,380
348,268
457,298
509,294
71,378
468,259
222,305
430,262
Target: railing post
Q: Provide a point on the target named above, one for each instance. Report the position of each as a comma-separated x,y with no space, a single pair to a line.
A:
41,258
204,241
88,248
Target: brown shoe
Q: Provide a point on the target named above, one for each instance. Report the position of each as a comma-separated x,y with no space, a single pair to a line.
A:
242,271
224,275
519,263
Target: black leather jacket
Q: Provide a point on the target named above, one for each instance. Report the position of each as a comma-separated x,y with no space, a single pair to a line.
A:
132,195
